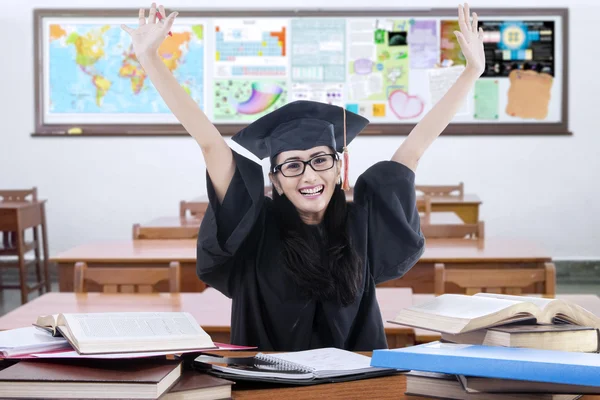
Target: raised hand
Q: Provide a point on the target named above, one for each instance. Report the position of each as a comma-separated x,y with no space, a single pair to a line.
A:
150,34
470,40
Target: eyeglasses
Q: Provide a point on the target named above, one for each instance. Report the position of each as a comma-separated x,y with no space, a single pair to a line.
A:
293,168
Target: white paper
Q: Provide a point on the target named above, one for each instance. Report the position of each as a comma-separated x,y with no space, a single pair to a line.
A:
440,80
26,340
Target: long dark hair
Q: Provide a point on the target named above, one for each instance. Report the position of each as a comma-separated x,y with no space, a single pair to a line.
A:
325,266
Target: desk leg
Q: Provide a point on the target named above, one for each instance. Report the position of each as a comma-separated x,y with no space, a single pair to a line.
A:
38,260
46,256
22,270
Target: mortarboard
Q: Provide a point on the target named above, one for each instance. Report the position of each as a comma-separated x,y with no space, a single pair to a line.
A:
301,125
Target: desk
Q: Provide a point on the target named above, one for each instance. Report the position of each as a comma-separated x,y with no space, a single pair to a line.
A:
210,308
492,252
466,206
17,217
193,224
420,278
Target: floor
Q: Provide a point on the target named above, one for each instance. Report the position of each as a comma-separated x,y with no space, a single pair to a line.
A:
10,299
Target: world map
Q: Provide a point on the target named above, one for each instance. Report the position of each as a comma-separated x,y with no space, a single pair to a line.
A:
93,69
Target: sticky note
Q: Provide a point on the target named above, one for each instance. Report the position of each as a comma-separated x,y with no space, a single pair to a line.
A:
379,110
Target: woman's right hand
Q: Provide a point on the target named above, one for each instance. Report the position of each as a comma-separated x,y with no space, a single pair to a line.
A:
150,34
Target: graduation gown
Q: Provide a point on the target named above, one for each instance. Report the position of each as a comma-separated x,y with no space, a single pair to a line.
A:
239,255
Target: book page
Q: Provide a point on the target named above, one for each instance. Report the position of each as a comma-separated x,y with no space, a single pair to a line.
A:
464,307
538,301
134,326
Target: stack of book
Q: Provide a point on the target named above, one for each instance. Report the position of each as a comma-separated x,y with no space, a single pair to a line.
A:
107,355
497,346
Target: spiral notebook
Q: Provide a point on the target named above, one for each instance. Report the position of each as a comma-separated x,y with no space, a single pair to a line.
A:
316,364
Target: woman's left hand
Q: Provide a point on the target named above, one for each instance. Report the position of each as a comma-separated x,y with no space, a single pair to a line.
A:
470,39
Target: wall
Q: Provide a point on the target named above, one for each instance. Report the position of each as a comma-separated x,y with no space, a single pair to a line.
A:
543,189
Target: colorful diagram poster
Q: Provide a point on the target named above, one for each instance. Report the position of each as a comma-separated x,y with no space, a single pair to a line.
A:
251,68
250,47
518,45
91,73
318,50
247,99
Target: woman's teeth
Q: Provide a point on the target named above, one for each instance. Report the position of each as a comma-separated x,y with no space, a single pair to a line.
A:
315,190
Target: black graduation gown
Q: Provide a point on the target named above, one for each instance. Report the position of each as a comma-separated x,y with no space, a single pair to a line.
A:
238,254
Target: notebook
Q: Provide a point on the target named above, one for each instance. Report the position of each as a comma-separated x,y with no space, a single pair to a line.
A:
23,341
326,364
495,362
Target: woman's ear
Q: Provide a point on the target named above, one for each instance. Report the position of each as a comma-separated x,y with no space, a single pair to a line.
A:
275,183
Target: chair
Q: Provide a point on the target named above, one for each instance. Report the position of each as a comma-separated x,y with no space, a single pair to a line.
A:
441,190
171,232
196,208
14,243
485,278
126,279
453,231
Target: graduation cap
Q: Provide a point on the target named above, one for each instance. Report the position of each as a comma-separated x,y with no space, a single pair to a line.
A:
301,125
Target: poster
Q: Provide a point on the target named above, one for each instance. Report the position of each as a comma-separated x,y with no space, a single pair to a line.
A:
318,50
423,44
486,99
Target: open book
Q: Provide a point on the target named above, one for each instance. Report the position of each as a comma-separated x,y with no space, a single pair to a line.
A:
103,333
307,365
455,313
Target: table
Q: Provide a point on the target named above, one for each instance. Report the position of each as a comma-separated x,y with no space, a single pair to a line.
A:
17,217
190,223
389,387
490,251
466,206
210,308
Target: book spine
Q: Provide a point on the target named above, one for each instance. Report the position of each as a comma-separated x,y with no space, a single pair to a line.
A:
283,365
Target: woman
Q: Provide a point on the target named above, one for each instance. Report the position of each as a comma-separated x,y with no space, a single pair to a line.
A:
302,268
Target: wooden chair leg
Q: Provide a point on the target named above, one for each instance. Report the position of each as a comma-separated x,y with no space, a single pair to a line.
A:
22,269
550,280
45,244
38,260
439,279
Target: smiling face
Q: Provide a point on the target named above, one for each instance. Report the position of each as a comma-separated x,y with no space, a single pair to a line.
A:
310,191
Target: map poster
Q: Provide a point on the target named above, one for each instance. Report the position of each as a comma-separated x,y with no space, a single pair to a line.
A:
91,74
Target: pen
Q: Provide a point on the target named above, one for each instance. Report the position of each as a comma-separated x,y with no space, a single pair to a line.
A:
160,17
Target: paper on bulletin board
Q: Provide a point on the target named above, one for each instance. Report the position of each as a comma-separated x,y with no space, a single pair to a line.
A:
486,99
442,79
378,58
329,93
423,44
529,94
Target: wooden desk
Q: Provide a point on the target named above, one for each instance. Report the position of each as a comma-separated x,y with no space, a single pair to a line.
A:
135,253
419,278
17,217
466,206
210,308
193,224
493,252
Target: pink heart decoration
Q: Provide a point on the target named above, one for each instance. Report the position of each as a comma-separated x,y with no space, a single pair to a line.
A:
404,105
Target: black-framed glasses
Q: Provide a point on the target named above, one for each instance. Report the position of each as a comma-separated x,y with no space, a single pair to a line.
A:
293,168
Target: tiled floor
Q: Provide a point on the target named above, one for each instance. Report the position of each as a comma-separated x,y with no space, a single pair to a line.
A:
10,299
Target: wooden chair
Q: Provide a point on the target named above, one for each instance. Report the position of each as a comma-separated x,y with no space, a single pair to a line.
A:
485,278
441,190
15,244
454,231
195,208
126,279
171,232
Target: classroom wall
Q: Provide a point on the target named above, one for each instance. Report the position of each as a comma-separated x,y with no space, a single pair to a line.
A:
544,189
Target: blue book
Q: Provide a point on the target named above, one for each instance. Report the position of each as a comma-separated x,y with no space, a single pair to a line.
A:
495,362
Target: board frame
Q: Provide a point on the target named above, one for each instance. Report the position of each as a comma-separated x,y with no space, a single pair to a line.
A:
379,129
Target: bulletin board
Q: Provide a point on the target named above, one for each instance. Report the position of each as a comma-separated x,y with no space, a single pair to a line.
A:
388,65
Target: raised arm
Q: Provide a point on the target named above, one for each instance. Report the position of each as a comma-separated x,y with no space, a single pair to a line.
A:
435,121
146,40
